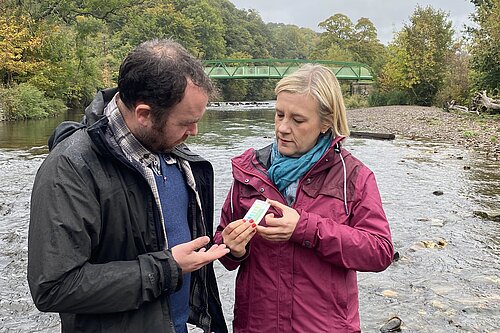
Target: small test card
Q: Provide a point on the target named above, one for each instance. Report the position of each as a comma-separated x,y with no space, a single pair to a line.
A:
257,211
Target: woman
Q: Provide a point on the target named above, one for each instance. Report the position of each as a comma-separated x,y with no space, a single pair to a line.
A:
297,268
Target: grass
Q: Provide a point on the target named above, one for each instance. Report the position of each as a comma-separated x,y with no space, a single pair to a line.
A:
469,134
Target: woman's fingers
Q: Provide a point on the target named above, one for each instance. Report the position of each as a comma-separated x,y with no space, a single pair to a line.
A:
238,232
277,204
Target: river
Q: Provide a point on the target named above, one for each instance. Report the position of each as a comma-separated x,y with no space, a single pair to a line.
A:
447,278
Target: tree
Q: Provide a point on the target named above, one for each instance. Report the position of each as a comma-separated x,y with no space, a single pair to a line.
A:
232,89
345,41
418,54
158,20
72,62
290,41
456,83
486,45
332,52
67,11
207,25
18,42
366,46
339,30
244,30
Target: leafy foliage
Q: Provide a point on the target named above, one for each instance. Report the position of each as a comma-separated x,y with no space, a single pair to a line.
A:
486,46
417,56
65,50
456,83
393,97
290,41
25,101
18,41
346,41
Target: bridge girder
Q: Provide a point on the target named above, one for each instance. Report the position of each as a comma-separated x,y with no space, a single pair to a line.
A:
278,68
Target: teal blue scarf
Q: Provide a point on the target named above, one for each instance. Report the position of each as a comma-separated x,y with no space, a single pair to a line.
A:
286,170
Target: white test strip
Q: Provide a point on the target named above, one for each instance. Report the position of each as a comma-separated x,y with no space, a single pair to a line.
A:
257,211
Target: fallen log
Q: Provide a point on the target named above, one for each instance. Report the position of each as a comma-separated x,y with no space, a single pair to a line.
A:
372,135
487,102
453,106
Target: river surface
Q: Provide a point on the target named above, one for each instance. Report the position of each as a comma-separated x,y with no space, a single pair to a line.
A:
447,278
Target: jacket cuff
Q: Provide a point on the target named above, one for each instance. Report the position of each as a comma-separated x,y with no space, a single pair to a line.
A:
305,231
160,274
238,259
172,275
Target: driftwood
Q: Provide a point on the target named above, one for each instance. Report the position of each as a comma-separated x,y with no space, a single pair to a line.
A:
371,135
453,106
482,102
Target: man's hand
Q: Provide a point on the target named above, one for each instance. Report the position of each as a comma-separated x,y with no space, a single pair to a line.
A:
279,229
189,259
236,236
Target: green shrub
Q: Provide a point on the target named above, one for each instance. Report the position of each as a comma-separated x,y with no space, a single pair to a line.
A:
355,101
395,97
25,101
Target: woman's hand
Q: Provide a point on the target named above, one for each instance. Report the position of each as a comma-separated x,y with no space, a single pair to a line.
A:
279,228
236,236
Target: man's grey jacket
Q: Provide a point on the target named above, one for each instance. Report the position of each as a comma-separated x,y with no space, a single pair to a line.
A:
96,247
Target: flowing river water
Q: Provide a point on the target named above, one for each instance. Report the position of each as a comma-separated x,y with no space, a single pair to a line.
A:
447,277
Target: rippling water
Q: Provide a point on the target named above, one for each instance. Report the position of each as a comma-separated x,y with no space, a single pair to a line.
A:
446,280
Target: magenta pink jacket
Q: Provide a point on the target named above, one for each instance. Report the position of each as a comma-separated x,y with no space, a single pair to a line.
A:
307,284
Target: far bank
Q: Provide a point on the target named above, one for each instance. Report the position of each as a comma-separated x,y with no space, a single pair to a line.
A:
467,130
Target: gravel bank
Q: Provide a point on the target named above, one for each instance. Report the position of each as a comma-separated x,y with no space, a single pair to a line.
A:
418,122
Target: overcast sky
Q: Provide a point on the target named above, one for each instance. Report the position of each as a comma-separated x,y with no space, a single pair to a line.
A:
388,16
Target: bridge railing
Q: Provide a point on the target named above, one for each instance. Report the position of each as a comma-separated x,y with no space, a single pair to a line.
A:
278,68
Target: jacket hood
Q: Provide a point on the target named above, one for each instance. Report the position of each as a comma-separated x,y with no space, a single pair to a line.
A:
62,131
93,112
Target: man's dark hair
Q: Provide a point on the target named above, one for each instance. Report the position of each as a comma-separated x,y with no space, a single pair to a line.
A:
156,73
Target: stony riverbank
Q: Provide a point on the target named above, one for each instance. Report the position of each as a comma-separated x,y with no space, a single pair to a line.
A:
418,122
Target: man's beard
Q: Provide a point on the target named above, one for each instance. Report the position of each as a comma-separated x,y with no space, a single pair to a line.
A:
151,140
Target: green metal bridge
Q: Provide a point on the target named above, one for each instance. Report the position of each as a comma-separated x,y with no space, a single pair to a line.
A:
278,68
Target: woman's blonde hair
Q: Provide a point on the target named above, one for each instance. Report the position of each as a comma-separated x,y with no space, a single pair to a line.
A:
320,82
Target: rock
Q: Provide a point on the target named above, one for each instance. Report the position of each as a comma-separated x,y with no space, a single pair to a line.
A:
441,243
439,305
389,293
392,325
416,247
432,221
488,215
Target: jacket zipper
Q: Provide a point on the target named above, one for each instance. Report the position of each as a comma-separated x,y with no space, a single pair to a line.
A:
130,166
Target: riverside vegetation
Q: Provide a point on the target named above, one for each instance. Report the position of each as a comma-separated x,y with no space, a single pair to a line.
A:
55,54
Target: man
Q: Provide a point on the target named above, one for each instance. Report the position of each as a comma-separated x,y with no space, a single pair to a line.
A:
121,208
